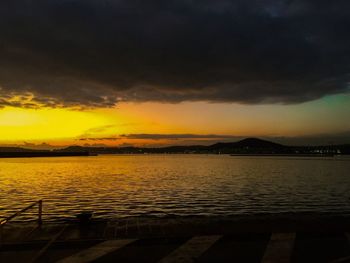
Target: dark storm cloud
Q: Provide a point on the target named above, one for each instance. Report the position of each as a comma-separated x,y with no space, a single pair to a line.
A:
98,52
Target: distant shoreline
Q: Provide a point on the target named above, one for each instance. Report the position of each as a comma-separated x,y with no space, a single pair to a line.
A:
86,154
286,155
41,154
246,147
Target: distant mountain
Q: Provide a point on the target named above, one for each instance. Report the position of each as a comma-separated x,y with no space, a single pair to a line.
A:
249,142
19,149
18,152
250,145
246,146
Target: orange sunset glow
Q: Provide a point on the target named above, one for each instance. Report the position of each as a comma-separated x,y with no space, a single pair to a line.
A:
108,126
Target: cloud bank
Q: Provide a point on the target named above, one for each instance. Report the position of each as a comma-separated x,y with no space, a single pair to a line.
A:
95,53
207,139
149,136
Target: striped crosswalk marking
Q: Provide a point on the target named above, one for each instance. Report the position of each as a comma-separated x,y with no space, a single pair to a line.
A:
191,250
97,251
279,248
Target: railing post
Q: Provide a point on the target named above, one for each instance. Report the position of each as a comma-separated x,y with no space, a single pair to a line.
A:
40,212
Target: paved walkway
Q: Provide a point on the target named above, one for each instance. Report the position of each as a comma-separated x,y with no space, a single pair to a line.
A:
171,242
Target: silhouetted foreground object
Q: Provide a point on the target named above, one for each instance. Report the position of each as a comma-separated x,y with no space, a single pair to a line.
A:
84,217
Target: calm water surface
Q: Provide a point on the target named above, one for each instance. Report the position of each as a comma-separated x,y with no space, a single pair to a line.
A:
115,186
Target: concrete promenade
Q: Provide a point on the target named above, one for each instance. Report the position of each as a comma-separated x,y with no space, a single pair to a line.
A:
303,239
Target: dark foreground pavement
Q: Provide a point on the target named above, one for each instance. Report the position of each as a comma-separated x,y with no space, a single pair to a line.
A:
305,239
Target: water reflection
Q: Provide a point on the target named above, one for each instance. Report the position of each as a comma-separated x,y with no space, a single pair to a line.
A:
174,185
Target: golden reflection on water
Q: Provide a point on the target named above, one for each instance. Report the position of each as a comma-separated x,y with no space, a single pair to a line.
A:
174,185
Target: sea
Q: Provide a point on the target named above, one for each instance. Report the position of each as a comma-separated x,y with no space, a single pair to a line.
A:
174,185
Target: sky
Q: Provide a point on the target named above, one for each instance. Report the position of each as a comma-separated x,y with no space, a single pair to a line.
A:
153,73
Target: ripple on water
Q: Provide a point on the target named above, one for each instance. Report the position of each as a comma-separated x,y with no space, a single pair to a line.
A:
174,185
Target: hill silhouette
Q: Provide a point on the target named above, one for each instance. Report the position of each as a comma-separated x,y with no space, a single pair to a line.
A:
245,146
249,146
